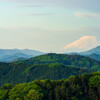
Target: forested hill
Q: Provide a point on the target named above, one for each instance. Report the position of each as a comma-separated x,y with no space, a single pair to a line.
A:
49,66
20,73
73,60
85,87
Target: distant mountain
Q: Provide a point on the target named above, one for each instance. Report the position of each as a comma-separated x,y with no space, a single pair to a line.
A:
92,51
95,56
73,53
9,55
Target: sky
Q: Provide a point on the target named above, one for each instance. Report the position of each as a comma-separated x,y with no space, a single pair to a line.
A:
50,25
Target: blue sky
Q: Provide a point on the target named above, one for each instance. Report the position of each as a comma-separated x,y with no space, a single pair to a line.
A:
48,25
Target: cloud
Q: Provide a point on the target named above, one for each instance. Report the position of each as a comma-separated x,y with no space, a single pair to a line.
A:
90,15
31,6
84,43
90,5
39,14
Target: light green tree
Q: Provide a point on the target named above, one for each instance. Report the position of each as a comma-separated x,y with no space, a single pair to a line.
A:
33,95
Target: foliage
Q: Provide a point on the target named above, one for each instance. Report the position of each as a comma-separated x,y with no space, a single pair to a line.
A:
75,88
48,66
73,60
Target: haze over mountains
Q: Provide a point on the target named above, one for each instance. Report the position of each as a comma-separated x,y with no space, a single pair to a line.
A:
93,53
9,55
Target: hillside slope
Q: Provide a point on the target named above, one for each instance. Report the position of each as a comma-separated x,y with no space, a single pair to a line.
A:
73,60
49,66
85,87
22,73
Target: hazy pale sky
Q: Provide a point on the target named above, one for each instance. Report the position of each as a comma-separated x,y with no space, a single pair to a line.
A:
49,25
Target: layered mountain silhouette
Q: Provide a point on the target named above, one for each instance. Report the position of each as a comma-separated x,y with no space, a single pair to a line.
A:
93,53
9,55
48,66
